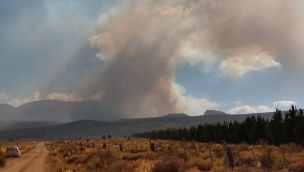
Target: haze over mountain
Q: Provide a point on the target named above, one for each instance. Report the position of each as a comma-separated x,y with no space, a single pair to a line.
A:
94,128
84,119
68,111
53,110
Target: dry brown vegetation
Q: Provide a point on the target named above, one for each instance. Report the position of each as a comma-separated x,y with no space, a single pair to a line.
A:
24,146
140,155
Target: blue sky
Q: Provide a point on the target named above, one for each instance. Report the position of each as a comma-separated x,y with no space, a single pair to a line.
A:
46,50
40,37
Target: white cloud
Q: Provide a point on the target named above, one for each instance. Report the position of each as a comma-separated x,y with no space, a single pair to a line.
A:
283,104
52,96
246,62
18,102
199,106
191,105
244,109
63,97
249,109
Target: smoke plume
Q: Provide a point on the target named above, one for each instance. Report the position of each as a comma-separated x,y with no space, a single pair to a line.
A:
142,42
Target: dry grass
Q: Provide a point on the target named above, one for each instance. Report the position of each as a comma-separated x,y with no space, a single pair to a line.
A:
170,163
199,164
24,146
247,158
134,155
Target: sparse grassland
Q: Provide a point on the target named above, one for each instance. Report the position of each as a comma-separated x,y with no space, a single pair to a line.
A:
141,155
24,146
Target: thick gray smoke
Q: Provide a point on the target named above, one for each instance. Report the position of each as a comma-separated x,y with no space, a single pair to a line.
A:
142,42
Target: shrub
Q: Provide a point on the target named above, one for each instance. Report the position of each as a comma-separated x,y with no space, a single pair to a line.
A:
168,164
144,166
296,167
247,158
201,164
138,156
218,150
183,154
72,160
121,166
193,170
243,147
95,161
267,159
279,162
105,157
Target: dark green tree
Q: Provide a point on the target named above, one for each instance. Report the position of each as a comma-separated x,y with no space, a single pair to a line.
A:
277,130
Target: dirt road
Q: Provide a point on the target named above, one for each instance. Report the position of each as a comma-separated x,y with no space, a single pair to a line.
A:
33,161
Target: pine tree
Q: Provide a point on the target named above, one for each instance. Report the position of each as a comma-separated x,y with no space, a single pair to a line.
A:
276,130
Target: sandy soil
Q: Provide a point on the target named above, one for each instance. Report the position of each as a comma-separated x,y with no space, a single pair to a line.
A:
33,161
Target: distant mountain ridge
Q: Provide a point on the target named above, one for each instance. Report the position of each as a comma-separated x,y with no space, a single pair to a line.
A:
66,111
93,128
174,115
47,119
214,112
51,110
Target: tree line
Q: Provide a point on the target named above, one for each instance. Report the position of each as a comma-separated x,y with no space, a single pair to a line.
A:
277,130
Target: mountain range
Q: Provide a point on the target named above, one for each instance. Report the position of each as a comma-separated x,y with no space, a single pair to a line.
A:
52,110
41,121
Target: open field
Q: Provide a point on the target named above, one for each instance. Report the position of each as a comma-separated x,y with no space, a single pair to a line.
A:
16,164
34,160
141,155
24,146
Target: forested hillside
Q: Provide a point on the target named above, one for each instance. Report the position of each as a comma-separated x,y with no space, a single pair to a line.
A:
279,129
